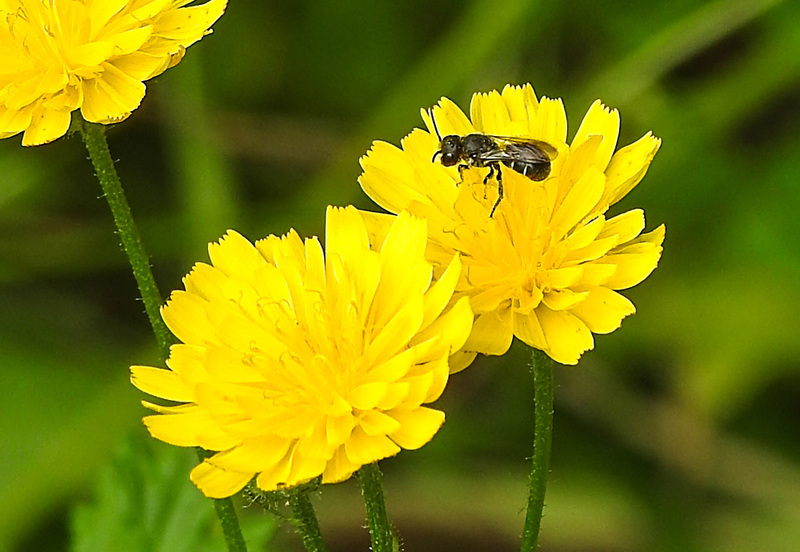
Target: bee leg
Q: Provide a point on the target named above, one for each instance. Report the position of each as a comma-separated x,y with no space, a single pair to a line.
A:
490,174
487,178
499,193
461,168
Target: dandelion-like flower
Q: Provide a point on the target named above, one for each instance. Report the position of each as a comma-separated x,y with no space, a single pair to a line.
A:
57,56
547,265
294,365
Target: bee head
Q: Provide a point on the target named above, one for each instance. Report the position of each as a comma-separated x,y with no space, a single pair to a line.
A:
450,149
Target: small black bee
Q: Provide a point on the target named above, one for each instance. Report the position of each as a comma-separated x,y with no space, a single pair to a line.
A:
526,156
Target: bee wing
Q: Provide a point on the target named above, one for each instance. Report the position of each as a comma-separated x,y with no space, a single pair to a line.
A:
519,143
498,153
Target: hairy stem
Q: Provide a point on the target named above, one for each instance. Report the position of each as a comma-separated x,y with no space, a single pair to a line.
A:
380,530
94,137
305,520
542,367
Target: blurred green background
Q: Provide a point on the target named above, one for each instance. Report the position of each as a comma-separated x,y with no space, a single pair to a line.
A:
678,433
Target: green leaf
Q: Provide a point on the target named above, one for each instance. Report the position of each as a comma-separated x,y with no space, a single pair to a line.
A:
144,502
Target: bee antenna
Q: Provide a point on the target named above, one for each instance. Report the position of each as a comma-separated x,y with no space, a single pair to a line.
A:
438,135
433,120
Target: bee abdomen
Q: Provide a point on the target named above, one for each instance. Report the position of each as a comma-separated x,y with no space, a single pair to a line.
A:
535,171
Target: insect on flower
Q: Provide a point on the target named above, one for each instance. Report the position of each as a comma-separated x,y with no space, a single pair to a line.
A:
526,156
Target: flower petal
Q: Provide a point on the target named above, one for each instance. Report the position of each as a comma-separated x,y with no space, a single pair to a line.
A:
522,106
192,427
14,121
111,96
161,383
628,167
491,333
602,309
449,119
489,113
440,292
452,330
188,25
374,422
579,201
624,227
389,179
563,299
216,482
405,273
636,259
600,120
416,427
567,336
461,360
253,455
235,255
551,121
185,316
528,328
46,125
339,467
365,449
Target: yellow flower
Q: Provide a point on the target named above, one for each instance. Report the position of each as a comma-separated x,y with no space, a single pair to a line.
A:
294,366
546,266
57,56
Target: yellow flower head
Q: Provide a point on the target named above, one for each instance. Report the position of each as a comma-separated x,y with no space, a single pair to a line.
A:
294,366
547,264
57,56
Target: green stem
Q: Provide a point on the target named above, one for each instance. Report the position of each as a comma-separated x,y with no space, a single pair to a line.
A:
94,137
542,367
380,531
230,525
305,520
